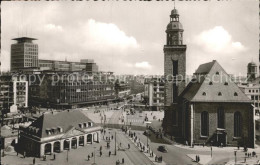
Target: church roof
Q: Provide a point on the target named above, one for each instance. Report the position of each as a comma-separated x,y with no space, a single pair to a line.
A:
213,84
65,120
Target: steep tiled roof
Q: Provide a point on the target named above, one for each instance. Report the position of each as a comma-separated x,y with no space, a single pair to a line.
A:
213,84
65,120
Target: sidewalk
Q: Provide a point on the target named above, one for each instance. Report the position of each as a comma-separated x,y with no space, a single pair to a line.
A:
214,148
75,156
147,153
242,161
204,159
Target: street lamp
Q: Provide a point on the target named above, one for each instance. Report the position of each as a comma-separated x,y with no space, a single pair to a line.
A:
94,156
211,151
147,122
235,153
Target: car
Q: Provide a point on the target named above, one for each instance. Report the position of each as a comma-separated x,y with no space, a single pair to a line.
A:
162,148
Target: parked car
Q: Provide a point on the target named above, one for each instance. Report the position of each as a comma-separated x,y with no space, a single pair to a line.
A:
162,148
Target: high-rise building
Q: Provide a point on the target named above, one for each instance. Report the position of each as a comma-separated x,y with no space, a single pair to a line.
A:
24,54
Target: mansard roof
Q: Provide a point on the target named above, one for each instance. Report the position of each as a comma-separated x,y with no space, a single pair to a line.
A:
211,83
65,120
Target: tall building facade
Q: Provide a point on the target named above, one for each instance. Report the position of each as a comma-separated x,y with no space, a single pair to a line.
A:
154,92
87,65
13,92
174,64
24,54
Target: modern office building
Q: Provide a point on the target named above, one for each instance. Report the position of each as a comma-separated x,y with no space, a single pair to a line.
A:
24,54
122,89
13,92
154,92
72,89
87,65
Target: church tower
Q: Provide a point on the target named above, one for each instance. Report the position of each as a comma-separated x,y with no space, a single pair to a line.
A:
251,71
174,59
174,70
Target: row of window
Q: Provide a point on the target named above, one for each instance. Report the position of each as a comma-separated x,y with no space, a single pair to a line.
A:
221,123
219,94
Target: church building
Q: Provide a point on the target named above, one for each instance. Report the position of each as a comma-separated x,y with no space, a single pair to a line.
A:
211,109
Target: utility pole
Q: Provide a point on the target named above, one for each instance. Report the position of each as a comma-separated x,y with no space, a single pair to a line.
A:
115,143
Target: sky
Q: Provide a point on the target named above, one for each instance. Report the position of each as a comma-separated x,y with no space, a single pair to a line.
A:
128,37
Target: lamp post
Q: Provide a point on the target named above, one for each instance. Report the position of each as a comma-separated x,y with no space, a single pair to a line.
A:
147,122
235,153
115,143
211,151
94,155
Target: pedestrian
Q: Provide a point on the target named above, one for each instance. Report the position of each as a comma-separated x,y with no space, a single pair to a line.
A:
54,156
109,153
120,144
152,153
198,158
88,157
24,154
128,146
17,153
156,158
100,148
33,160
123,160
112,137
92,154
100,153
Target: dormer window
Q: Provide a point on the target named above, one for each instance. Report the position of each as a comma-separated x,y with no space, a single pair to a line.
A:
48,131
60,129
80,125
217,73
219,94
210,83
235,94
85,125
226,83
89,124
204,94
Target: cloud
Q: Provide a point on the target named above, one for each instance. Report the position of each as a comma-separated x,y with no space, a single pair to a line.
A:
106,36
217,40
52,27
143,65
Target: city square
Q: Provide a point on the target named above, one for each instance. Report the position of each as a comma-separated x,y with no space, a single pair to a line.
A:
135,84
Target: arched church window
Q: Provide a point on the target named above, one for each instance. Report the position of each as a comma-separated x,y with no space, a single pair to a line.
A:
237,124
219,94
174,116
221,118
204,123
204,94
235,94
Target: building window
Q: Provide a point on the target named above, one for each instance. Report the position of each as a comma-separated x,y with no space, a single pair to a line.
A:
226,83
219,94
217,73
204,123
204,94
221,118
210,83
237,124
235,94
